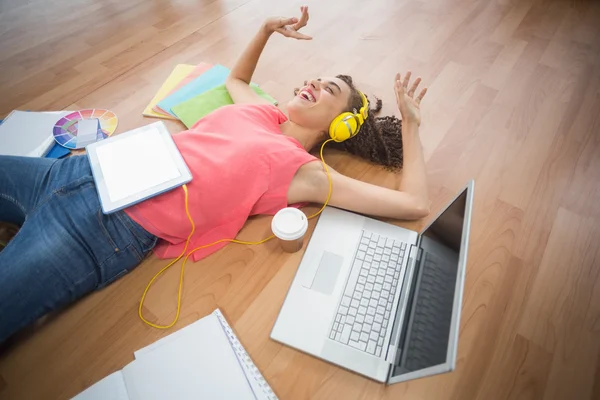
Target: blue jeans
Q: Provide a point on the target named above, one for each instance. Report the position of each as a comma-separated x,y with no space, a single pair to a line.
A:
66,247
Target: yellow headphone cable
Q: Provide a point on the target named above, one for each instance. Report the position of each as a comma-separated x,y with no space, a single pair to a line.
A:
187,211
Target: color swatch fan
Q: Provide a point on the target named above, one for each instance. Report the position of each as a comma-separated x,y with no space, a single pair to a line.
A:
80,128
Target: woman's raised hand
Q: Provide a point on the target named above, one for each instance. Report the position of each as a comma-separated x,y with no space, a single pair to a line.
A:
409,104
288,27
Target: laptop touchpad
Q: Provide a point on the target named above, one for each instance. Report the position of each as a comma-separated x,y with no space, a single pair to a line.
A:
327,273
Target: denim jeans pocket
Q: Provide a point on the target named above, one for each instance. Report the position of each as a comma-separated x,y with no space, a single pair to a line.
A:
132,242
106,237
145,239
117,265
79,200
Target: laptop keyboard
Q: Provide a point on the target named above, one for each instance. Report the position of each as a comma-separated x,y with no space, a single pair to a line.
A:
363,315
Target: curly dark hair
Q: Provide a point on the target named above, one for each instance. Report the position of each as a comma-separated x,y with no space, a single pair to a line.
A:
379,139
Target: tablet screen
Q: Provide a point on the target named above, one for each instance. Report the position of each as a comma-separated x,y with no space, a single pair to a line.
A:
136,163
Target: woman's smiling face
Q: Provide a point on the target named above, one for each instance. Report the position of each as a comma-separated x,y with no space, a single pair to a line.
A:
319,102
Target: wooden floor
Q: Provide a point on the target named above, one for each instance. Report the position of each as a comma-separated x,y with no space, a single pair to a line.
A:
514,103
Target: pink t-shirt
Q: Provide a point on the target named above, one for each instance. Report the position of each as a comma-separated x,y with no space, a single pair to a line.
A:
241,165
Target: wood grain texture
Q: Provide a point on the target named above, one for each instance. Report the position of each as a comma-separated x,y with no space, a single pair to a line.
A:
514,103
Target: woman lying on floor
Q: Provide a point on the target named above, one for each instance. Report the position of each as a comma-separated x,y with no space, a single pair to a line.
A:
246,159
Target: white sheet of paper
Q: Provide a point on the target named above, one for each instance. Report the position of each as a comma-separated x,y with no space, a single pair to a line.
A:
143,352
199,364
136,163
112,387
87,131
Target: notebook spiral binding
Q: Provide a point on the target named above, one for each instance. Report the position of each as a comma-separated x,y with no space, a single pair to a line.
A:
245,359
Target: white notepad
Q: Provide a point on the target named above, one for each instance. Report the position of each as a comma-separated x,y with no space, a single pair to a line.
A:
28,134
201,361
87,131
136,165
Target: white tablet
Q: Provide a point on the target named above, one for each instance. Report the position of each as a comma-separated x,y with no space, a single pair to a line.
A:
136,165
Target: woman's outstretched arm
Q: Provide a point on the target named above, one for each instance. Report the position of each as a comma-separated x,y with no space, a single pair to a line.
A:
409,201
414,174
238,81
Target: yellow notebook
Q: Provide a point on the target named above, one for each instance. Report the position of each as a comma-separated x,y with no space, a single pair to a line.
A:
177,75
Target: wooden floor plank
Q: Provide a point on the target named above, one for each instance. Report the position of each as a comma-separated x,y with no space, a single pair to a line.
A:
560,303
521,373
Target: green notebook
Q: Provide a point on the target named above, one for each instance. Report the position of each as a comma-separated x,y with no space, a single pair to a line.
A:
190,111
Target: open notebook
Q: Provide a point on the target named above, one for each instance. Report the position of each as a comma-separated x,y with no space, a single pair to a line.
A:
204,360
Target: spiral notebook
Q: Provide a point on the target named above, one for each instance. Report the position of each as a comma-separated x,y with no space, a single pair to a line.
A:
204,360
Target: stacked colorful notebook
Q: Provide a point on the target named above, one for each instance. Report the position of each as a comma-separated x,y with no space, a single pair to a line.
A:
193,91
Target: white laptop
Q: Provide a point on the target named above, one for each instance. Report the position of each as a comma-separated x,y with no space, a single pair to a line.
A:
377,299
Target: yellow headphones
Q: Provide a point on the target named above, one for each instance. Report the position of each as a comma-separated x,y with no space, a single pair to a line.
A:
347,125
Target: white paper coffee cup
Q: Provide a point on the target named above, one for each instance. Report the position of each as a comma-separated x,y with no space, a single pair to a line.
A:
290,225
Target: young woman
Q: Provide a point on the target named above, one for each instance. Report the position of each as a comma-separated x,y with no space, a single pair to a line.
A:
246,159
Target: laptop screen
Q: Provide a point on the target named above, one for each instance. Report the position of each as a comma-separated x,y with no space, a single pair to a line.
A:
425,336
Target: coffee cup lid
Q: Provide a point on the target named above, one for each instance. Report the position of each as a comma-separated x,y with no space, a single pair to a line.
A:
289,224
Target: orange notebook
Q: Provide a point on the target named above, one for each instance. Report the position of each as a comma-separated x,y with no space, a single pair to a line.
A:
199,70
